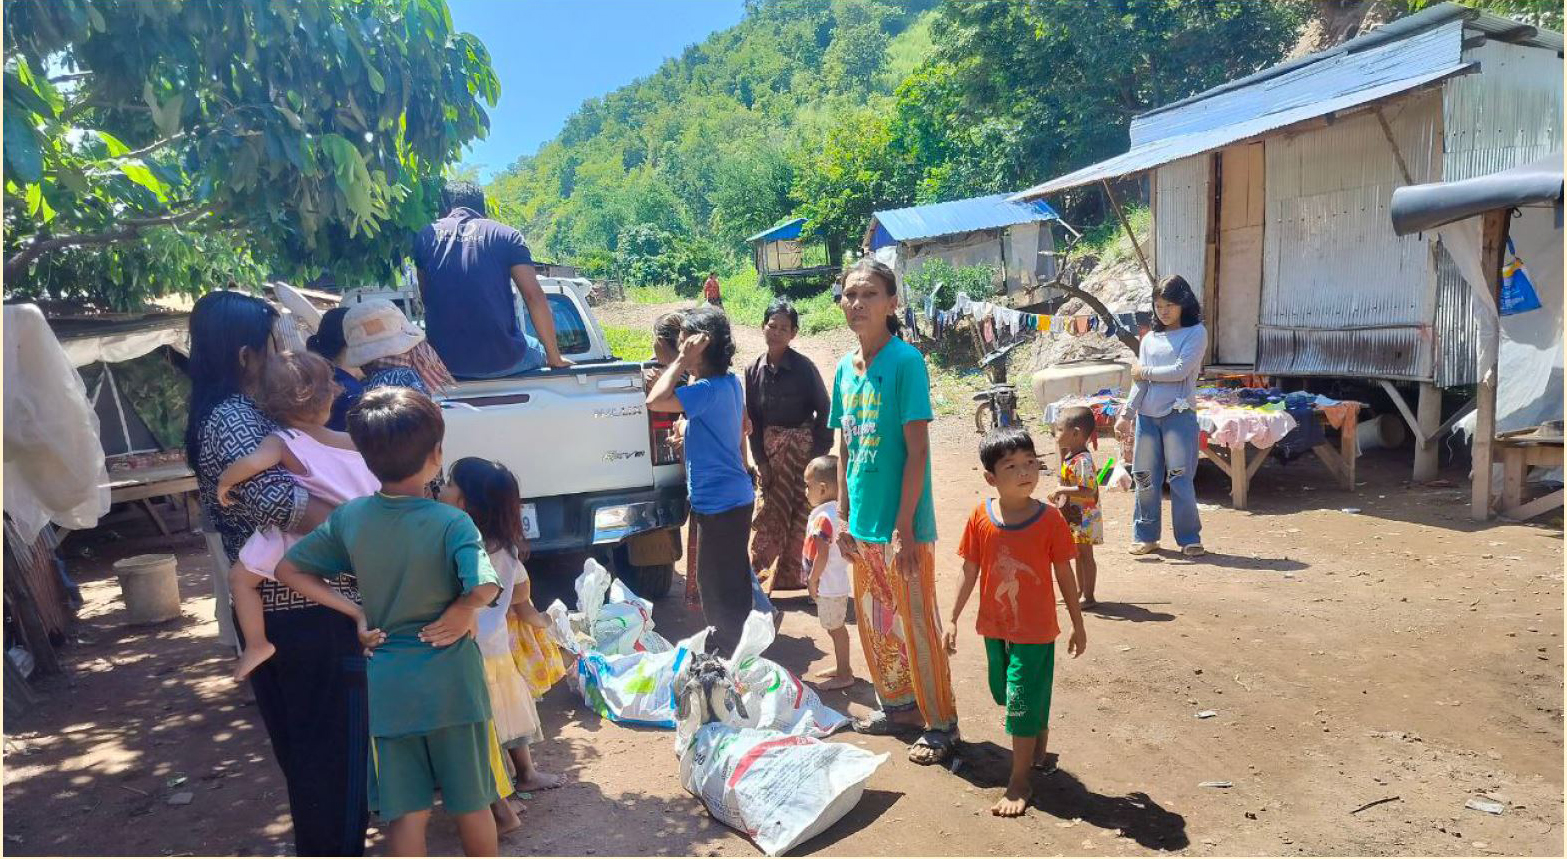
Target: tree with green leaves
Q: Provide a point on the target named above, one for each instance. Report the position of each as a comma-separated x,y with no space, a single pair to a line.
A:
143,137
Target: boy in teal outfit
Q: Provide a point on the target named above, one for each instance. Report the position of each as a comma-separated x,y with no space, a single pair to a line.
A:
423,573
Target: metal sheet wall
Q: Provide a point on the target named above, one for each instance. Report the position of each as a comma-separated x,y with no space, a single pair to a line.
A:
1341,294
1508,114
1182,199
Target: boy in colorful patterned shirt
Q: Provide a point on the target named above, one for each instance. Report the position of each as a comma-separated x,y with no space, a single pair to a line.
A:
1011,547
1078,494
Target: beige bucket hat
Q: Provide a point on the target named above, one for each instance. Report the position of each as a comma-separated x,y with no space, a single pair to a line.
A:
377,329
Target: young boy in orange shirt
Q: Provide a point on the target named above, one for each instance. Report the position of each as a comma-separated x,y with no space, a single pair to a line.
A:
1010,547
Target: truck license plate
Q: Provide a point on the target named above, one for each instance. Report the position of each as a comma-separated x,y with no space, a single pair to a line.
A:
530,522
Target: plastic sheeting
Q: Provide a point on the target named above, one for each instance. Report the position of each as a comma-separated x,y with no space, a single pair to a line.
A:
125,345
1529,356
54,464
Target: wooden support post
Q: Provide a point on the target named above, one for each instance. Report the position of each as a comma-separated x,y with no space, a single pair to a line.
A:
1126,225
1349,447
1493,241
1240,476
1429,418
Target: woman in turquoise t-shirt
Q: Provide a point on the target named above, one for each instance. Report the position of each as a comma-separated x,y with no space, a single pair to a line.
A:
881,405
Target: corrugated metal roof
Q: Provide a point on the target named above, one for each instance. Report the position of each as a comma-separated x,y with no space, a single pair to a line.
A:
1333,81
789,229
956,216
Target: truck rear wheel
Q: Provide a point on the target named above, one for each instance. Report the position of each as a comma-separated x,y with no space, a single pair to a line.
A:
649,582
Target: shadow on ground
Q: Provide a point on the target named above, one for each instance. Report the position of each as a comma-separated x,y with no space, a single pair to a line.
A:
1061,794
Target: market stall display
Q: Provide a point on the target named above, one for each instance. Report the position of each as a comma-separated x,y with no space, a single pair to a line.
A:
1241,426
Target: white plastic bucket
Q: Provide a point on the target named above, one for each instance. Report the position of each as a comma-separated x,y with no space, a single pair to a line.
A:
150,586
1382,431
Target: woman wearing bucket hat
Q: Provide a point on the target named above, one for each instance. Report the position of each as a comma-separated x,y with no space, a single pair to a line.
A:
390,350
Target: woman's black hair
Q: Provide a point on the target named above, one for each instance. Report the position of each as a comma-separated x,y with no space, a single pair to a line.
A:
786,307
879,270
328,341
221,324
666,329
720,352
493,500
1176,290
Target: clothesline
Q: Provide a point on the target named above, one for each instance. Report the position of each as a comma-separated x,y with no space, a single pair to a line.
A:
998,323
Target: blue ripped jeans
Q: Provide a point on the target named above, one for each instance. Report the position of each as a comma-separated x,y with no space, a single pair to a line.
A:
1166,449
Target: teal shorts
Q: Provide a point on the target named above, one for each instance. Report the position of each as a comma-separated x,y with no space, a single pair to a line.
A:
454,760
1021,676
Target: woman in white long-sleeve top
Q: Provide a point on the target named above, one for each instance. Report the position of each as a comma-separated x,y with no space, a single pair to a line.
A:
1163,401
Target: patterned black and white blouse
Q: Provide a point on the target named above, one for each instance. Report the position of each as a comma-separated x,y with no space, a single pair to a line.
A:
235,428
395,377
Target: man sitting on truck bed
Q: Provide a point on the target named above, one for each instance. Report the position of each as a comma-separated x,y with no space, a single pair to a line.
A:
467,264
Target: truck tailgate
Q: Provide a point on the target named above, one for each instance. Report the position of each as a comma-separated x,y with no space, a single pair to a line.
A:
584,429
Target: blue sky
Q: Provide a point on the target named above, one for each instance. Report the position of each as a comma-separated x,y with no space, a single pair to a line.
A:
551,55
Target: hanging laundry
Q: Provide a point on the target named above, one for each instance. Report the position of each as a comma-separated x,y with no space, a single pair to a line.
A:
987,332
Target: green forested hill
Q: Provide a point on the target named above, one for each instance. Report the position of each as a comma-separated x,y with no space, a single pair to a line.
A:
833,109
677,168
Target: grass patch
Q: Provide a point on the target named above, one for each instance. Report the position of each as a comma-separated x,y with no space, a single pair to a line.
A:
1108,241
629,344
651,294
746,300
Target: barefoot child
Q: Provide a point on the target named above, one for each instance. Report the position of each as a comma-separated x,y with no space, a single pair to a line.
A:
1079,493
296,390
423,575
827,572
1010,546
488,492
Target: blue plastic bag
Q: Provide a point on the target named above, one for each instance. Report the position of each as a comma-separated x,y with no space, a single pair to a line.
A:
1518,295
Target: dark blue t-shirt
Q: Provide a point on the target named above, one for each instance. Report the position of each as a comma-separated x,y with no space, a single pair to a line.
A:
716,479
352,391
470,312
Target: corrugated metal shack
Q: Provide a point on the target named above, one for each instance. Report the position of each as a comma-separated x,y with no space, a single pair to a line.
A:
1270,194
1012,237
781,250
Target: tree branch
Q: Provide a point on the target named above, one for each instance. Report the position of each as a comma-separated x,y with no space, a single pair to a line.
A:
1098,307
130,229
151,147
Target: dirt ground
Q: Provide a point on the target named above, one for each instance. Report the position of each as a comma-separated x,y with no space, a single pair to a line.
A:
1370,672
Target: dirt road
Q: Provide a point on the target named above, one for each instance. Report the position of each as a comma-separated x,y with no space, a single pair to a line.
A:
1399,654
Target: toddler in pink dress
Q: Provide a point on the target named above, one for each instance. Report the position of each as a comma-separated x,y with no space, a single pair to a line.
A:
296,390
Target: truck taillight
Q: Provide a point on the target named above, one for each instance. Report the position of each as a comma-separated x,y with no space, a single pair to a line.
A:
661,434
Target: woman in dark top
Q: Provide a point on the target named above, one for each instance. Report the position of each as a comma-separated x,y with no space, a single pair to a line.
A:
311,695
788,406
328,342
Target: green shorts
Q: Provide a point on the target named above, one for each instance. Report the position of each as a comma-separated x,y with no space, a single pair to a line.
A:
454,760
1020,679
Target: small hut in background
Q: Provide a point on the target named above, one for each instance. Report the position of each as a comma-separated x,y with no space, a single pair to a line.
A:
1270,195
1012,238
783,251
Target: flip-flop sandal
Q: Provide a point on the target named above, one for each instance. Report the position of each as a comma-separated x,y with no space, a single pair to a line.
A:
877,724
1048,765
940,741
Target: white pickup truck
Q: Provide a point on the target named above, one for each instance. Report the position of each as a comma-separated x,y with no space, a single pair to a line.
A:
598,471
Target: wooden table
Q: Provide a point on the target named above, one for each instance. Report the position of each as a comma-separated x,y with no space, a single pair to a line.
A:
1519,451
1241,464
143,484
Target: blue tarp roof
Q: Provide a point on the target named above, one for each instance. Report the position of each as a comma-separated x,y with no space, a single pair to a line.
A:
957,216
1412,52
790,229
